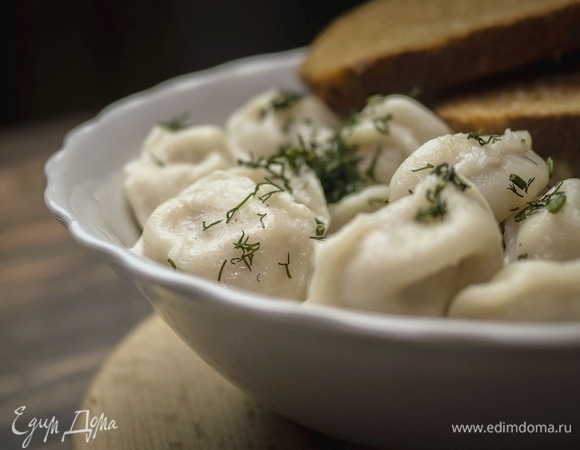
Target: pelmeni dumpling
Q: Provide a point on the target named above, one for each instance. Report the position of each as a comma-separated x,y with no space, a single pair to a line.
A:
548,227
171,160
304,186
411,256
387,130
504,168
524,291
278,117
228,228
367,200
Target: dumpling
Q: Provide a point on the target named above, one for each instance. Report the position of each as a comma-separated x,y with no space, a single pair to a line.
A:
411,256
228,228
548,227
304,186
278,117
504,168
367,200
171,160
524,291
387,130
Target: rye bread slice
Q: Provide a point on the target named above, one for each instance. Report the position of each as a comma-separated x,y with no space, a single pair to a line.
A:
545,103
393,46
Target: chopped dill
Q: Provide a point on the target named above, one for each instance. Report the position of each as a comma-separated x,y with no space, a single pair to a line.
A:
222,270
437,207
284,99
448,174
320,230
230,213
248,250
156,159
376,99
335,163
550,166
553,201
382,124
261,216
286,266
175,123
205,227
556,202
263,198
518,182
481,141
370,172
425,167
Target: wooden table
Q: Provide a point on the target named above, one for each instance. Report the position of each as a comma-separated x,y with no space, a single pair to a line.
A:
74,337
61,310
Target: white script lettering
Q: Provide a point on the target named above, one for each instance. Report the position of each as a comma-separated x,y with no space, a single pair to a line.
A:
91,425
83,422
50,425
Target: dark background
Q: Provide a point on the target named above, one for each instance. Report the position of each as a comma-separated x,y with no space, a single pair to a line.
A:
62,56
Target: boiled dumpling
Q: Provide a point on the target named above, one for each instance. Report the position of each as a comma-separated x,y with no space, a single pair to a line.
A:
171,160
304,186
411,256
524,291
228,228
504,168
548,227
277,117
387,130
367,200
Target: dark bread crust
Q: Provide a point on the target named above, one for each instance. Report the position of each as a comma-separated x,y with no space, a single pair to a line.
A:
556,137
545,102
435,68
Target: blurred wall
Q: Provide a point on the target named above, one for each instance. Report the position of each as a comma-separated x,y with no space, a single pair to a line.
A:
64,55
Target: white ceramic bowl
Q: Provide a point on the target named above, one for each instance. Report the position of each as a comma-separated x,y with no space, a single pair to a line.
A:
366,378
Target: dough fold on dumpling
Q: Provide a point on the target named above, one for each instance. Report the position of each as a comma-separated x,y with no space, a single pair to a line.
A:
367,200
504,168
171,160
278,117
229,228
411,256
387,130
548,227
524,291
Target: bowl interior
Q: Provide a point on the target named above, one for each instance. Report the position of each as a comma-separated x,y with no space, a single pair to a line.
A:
84,191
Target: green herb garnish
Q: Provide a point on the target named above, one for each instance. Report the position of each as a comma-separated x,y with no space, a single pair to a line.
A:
320,230
205,227
425,167
283,100
248,250
175,123
382,124
550,166
490,140
437,207
334,162
286,266
518,182
553,201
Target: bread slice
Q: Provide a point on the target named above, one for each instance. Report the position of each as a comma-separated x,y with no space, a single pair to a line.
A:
545,104
394,46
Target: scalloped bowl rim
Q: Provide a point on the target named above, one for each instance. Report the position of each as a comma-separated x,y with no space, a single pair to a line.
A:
409,328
